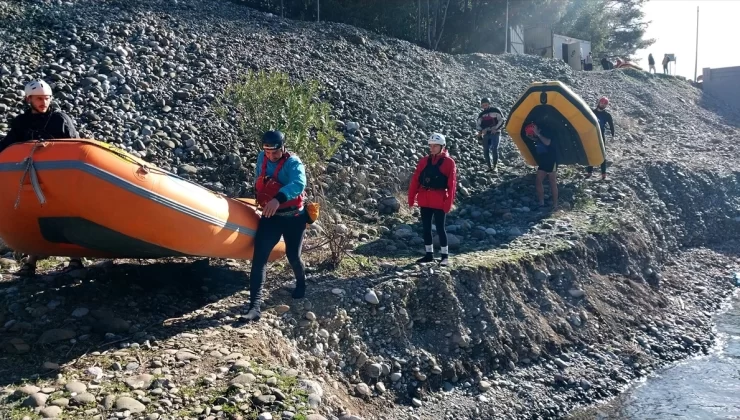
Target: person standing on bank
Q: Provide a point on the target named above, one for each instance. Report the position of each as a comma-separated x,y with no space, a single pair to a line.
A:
490,120
651,63
280,184
433,186
666,60
605,118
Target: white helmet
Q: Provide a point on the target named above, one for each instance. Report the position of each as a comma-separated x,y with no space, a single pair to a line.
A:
437,138
38,87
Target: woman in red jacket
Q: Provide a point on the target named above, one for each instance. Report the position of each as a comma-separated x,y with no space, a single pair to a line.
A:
433,187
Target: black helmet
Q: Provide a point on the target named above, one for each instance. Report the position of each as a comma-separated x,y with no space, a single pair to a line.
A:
485,101
273,140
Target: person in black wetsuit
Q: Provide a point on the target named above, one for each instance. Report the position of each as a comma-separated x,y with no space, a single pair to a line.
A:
40,122
546,161
604,118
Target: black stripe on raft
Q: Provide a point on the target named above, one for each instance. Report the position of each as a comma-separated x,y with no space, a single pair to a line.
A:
43,167
90,235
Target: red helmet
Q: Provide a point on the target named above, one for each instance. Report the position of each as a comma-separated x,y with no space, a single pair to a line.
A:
529,129
603,102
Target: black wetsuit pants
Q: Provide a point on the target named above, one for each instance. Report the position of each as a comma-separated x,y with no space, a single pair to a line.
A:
427,214
292,229
590,169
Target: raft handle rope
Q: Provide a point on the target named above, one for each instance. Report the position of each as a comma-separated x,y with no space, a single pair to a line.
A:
31,169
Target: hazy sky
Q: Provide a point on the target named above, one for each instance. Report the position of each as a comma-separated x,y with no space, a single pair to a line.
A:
674,28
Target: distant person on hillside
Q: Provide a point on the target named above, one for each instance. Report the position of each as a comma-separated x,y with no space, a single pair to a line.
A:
40,122
666,60
604,118
433,186
280,184
546,161
651,63
489,123
606,64
589,62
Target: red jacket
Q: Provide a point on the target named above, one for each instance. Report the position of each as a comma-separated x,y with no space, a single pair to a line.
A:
436,199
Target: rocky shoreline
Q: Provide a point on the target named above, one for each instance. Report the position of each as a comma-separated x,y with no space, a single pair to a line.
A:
539,314
518,336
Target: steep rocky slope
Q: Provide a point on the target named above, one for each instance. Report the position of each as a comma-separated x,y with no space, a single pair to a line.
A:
540,313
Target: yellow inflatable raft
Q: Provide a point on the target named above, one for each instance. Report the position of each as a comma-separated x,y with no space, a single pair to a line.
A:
578,139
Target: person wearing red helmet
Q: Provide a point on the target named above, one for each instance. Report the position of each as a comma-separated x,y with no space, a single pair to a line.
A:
604,118
433,186
546,161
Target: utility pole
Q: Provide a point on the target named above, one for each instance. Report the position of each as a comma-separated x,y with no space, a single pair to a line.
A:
282,9
696,57
506,37
318,10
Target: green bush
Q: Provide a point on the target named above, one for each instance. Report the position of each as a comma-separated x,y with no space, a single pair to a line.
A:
263,101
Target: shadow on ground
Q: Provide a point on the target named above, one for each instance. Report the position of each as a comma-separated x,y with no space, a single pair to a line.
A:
56,319
486,220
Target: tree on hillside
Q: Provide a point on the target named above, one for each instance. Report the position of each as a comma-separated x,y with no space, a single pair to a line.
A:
614,27
628,28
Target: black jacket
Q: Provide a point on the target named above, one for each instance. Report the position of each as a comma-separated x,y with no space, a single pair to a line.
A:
49,125
604,118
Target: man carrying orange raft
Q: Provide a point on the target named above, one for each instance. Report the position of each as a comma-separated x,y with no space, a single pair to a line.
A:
40,122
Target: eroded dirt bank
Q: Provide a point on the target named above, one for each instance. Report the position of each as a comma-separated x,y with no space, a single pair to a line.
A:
612,293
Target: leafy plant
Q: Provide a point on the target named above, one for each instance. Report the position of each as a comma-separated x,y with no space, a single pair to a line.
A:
263,101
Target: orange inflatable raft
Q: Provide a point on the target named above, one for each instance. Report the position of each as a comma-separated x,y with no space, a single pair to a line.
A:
85,198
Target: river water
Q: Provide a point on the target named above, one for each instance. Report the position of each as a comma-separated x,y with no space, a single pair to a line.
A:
700,388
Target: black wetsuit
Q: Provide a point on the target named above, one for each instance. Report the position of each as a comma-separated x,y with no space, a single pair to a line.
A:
546,156
33,126
604,118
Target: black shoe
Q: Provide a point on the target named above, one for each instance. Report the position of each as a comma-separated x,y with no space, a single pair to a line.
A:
254,314
429,257
300,291
443,262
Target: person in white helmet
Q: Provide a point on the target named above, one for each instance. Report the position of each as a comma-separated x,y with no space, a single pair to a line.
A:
433,186
40,122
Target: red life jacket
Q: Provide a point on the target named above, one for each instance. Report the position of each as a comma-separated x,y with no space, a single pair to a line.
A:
268,187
